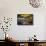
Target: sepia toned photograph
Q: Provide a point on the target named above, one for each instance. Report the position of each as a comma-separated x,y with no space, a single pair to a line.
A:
25,19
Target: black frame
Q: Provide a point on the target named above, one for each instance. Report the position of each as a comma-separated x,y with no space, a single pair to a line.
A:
20,18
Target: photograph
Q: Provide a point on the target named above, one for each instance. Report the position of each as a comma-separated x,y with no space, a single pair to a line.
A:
24,19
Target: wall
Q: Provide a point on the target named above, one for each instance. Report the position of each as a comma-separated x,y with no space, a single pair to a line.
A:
10,8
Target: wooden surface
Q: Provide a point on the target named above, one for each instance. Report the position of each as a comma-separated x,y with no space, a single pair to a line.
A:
25,44
26,41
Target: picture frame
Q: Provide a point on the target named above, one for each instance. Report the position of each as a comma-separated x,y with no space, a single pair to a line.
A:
24,19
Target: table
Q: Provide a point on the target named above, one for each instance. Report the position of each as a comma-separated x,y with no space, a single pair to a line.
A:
28,43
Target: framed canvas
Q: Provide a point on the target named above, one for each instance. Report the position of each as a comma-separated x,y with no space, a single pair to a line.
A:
24,19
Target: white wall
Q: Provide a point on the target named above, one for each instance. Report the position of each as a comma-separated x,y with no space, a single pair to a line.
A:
10,8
